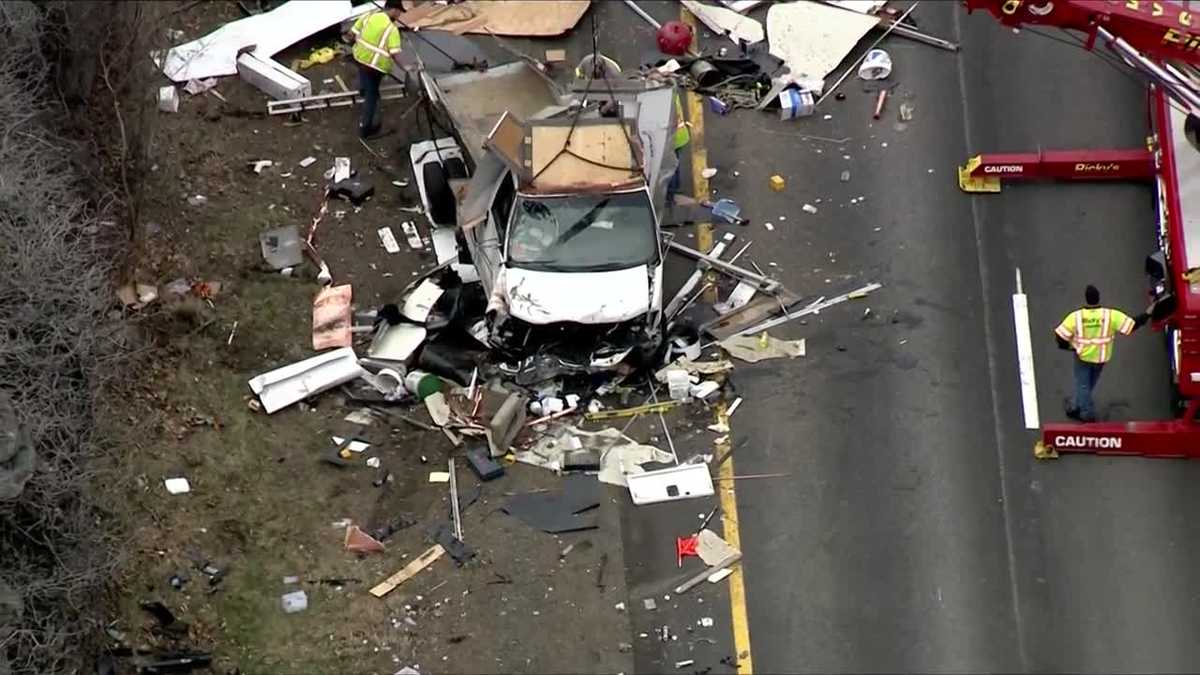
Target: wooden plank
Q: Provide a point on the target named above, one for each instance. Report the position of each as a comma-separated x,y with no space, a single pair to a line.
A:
708,571
410,570
608,160
507,140
749,314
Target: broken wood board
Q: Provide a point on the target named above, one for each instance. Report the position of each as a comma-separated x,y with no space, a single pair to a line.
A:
507,141
727,22
410,570
515,18
600,156
812,39
749,314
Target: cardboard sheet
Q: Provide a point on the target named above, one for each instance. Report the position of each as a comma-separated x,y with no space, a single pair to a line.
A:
331,317
516,18
812,38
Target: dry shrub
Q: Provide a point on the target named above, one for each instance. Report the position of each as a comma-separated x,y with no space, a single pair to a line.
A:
75,84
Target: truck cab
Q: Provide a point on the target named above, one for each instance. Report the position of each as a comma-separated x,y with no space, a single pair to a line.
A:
559,216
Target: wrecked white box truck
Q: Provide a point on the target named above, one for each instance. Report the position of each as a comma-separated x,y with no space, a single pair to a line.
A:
557,198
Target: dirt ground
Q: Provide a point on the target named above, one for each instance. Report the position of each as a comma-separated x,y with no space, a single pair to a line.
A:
263,505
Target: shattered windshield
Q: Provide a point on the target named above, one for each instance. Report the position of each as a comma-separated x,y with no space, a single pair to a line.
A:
583,233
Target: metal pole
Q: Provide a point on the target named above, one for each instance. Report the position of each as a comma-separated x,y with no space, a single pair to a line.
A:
1180,89
642,13
761,282
918,36
811,309
454,503
854,66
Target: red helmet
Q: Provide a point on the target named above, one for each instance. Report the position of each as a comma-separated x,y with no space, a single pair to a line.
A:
674,38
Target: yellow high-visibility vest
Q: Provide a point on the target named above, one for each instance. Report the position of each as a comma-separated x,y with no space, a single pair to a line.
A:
683,136
376,41
1091,332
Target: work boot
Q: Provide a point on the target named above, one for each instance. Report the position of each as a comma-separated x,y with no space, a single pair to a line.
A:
377,132
1070,409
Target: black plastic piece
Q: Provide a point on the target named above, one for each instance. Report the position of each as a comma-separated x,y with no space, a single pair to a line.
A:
484,466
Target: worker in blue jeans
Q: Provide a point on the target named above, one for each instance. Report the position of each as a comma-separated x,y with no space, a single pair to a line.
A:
376,45
1089,332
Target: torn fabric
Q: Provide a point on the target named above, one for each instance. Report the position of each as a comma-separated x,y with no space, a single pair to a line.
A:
755,348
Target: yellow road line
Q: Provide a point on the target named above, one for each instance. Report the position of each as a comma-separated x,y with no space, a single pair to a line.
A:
737,582
695,118
726,491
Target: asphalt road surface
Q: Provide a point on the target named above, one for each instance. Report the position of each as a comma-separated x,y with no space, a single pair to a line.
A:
916,532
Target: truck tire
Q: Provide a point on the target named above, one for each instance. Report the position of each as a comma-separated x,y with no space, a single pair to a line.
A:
436,177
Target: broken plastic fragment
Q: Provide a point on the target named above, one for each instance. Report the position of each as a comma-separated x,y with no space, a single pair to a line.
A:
296,601
177,486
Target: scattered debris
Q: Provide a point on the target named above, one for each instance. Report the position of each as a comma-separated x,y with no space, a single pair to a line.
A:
412,236
813,38
290,384
177,486
388,240
727,22
294,602
568,510
678,482
753,349
876,65
720,574
519,18
360,542
168,99
331,317
409,571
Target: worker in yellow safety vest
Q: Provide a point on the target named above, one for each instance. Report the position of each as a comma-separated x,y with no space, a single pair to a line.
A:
682,137
376,43
1089,332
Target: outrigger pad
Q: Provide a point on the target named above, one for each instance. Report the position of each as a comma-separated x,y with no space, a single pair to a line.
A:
969,183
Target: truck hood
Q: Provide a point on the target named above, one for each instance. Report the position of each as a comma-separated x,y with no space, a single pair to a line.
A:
579,297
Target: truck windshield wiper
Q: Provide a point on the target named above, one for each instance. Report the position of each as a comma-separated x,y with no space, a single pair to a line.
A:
582,224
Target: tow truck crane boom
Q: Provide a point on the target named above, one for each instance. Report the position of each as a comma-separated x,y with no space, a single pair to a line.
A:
1161,40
